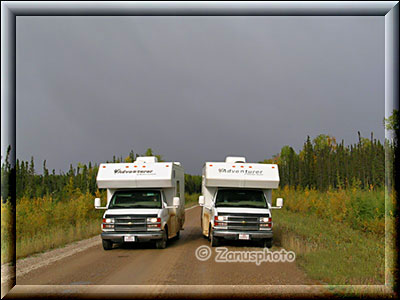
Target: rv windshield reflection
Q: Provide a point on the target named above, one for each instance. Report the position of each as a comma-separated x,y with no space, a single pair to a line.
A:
240,198
136,199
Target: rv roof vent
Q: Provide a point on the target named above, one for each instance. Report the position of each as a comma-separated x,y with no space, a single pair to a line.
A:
235,159
177,163
146,159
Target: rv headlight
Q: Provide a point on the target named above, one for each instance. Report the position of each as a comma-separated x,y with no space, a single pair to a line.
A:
265,220
221,218
108,221
153,220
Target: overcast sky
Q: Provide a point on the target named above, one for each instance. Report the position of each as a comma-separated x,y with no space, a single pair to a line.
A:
194,89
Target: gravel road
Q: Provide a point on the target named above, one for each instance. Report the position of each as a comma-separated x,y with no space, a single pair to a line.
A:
86,263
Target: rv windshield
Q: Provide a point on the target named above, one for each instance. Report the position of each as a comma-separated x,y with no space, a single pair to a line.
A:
136,199
240,198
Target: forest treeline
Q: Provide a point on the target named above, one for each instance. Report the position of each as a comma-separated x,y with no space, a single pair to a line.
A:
60,186
322,163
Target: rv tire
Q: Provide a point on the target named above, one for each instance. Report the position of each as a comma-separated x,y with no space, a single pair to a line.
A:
107,244
162,243
267,243
214,240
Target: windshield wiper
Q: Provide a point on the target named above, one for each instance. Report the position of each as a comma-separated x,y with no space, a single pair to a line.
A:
238,205
118,206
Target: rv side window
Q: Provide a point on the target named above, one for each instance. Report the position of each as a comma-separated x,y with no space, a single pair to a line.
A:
178,190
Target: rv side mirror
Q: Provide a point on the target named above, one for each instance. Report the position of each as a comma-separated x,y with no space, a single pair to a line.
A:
201,200
176,201
97,202
279,202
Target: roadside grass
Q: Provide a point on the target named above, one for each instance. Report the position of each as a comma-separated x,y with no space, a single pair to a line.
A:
57,237
329,248
6,224
44,223
359,209
330,252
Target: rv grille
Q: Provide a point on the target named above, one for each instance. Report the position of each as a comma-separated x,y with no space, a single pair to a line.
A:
130,222
243,222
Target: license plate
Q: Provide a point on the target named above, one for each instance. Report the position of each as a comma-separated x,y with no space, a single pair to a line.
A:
129,238
244,236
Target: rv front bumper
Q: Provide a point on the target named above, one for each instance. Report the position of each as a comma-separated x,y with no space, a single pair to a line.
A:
118,237
234,235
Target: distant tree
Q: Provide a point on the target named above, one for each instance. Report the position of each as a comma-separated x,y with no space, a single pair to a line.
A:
131,157
149,152
5,176
192,184
45,179
392,150
392,122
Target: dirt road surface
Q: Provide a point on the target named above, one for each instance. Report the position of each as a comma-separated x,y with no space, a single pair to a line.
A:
138,265
142,264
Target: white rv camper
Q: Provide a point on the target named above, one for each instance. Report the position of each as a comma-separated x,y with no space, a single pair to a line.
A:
145,201
236,200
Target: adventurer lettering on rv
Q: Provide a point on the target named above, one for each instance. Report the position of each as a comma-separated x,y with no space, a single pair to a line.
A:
120,171
247,172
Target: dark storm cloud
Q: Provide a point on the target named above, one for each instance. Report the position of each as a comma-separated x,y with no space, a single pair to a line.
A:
194,89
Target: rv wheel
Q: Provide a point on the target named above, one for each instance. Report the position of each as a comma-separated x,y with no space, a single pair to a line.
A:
162,243
267,243
214,240
107,245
